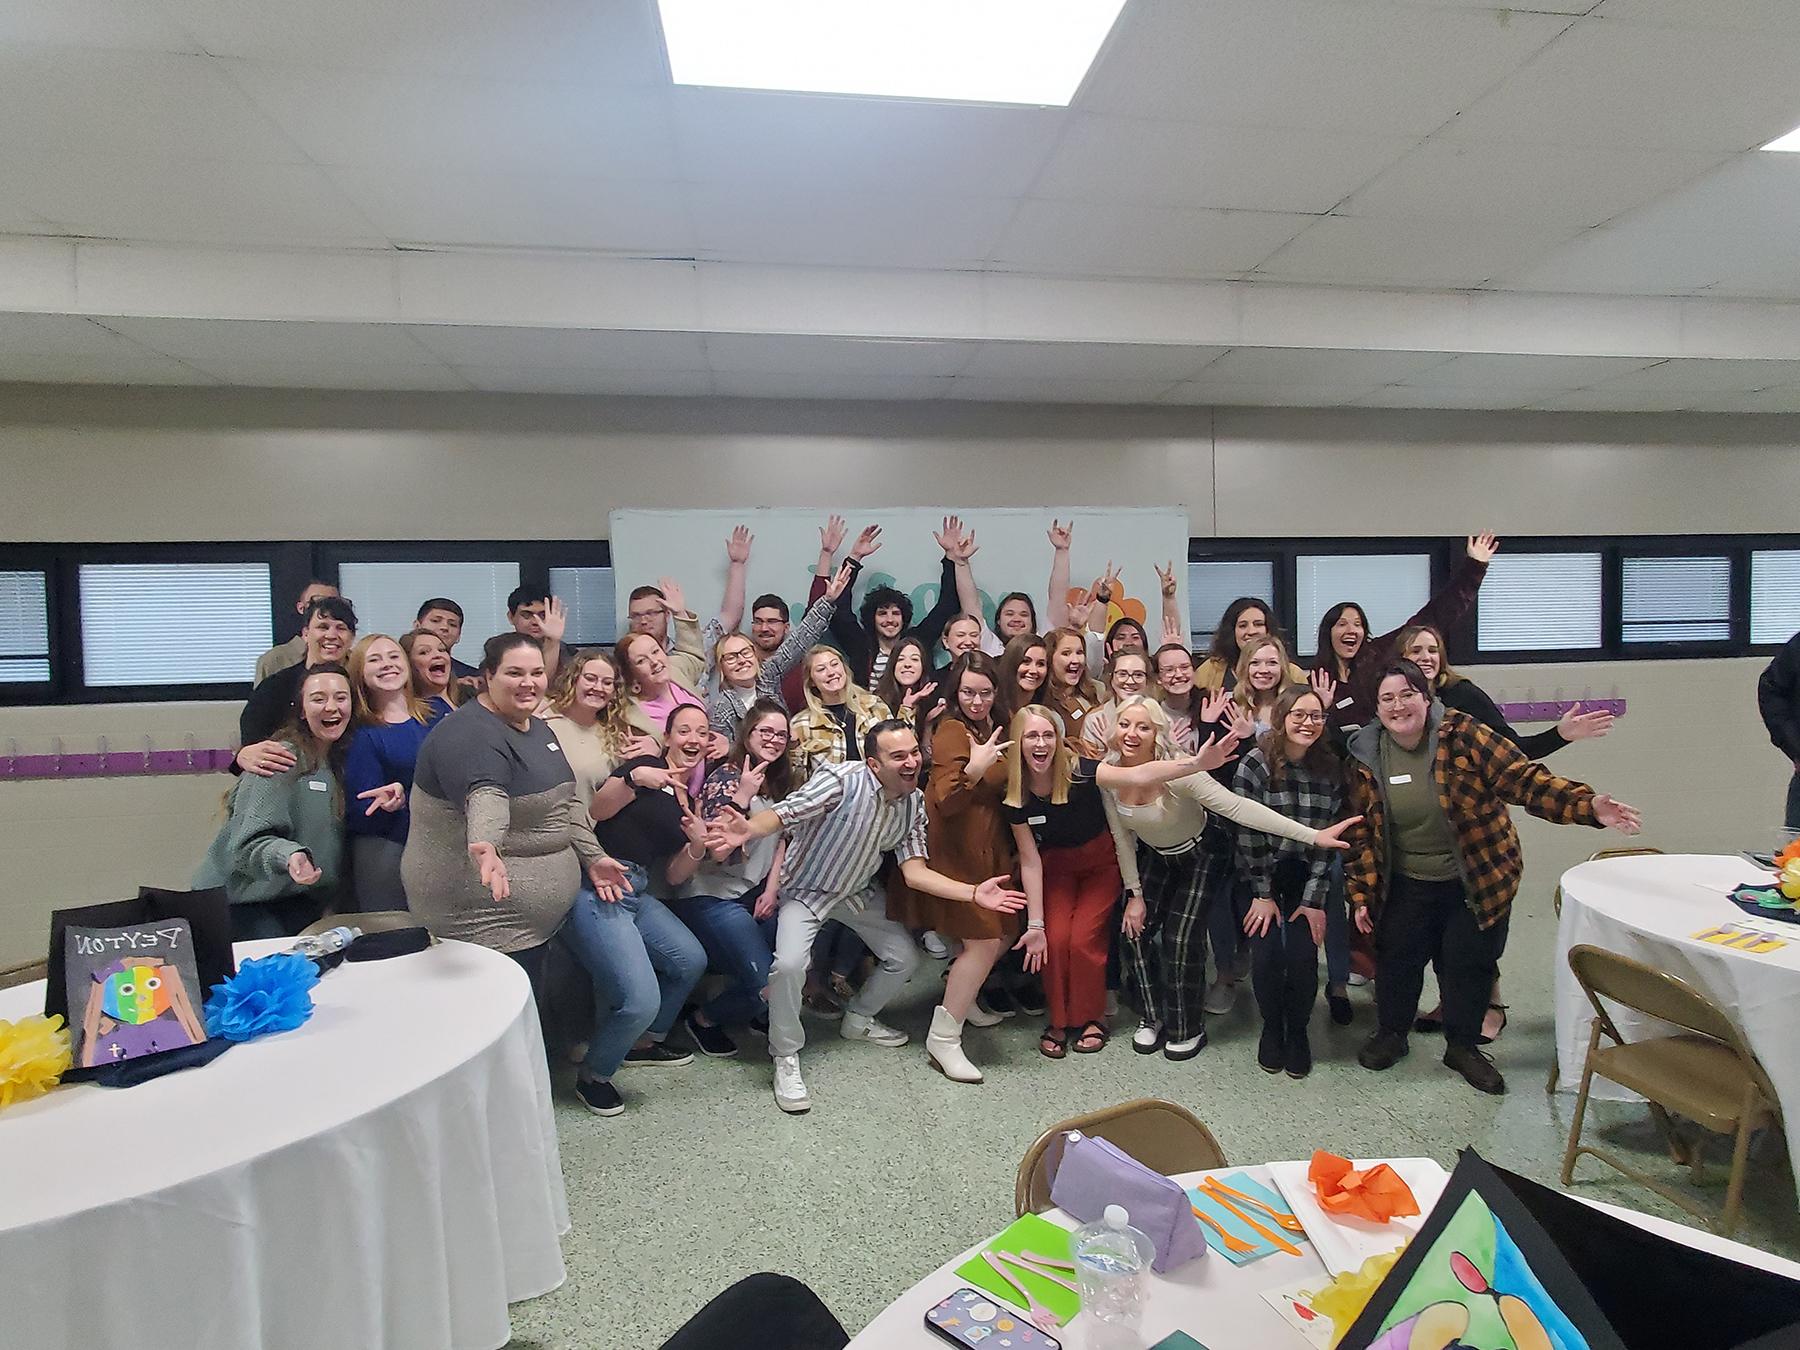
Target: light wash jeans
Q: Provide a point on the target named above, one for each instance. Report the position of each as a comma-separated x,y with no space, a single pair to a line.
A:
643,962
796,927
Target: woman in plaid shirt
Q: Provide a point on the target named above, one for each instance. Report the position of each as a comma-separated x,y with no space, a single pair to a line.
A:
1292,771
1433,869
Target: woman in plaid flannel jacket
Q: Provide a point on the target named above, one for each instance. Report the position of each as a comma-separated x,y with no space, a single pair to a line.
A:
1459,925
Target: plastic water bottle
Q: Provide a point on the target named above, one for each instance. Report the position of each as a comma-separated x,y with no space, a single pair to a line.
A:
1112,1266
326,943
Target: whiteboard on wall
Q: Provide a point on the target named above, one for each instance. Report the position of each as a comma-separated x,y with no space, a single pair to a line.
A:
1014,552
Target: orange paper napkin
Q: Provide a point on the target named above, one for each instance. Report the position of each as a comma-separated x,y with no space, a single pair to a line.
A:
1377,1194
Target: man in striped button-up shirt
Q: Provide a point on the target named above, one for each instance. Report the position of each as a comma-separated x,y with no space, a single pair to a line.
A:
839,825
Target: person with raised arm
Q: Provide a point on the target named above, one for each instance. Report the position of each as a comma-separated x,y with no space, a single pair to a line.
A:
867,638
743,672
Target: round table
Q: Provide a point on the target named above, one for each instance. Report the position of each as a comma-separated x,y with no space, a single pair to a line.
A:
1648,908
384,1176
1215,1302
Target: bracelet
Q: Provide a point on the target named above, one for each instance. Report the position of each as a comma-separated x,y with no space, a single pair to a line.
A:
697,857
1033,923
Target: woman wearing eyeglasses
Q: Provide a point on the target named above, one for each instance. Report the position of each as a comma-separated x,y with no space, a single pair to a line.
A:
1126,676
1433,869
744,675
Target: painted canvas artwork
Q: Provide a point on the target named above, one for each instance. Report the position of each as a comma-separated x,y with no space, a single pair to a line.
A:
132,989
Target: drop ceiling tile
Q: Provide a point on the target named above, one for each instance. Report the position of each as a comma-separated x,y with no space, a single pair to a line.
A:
271,342
351,117
1387,69
845,227
125,365
1116,239
586,380
795,353
563,349
521,210
783,141
1128,159
119,25
1024,389
1089,361
1618,83
1317,366
1782,399
257,374
1705,376
1550,185
1271,395
191,201
1412,396
73,101
67,335
1624,400
1754,16
828,384
1343,250
1515,370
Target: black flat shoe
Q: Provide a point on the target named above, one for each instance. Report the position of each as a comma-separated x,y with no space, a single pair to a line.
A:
1339,1004
1271,1054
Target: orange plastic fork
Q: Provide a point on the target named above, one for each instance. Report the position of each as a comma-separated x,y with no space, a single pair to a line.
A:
1233,1243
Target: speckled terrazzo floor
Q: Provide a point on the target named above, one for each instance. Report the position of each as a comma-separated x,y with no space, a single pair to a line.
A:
702,1180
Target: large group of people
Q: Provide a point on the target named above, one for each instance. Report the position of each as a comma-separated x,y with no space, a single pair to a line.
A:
1071,816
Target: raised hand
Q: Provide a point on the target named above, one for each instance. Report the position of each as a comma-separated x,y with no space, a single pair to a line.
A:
609,879
839,580
265,759
673,599
1033,944
1081,608
1108,583
949,538
1061,535
750,780
301,869
718,745
1172,632
1215,705
695,830
649,778
556,619
966,548
1575,725
1239,720
1216,752
387,797
866,542
831,535
737,544
983,755
1262,916
492,869
1165,577
1324,686
728,831
996,895
917,692
1332,836
1483,547
1615,815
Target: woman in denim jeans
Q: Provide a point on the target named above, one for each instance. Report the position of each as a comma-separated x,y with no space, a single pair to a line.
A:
643,960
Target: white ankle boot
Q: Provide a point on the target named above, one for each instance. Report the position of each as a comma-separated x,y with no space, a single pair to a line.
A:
943,1046
979,1016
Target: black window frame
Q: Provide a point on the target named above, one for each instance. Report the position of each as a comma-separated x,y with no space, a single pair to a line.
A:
1610,647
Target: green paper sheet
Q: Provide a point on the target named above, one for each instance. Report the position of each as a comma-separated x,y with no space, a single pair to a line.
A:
1037,1235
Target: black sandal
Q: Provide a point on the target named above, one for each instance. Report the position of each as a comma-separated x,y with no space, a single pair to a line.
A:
1489,1040
1053,1043
1089,1032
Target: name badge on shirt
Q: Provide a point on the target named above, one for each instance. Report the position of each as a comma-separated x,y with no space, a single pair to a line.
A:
1036,820
1345,701
1400,778
552,746
317,786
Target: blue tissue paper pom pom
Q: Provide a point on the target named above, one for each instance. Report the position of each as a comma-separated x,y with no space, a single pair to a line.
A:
268,994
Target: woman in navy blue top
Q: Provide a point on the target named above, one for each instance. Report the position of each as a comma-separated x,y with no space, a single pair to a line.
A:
391,723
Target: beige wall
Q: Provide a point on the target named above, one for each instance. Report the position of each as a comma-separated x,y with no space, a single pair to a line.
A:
133,465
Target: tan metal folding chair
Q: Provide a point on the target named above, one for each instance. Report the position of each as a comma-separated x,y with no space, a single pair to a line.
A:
1629,851
1706,1073
370,921
1159,1134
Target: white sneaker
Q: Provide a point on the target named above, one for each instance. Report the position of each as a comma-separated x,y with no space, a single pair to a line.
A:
790,1088
984,1017
1357,981
1147,1038
935,945
856,1027
1221,995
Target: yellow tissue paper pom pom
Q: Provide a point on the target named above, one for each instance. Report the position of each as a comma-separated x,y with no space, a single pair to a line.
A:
1347,1295
34,1055
1789,880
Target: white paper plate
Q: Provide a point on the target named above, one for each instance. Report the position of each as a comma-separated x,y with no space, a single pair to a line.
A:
1344,1243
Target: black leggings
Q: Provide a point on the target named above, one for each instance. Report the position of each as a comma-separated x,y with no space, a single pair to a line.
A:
1427,923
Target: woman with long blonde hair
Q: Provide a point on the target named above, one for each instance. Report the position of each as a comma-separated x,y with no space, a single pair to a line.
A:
391,722
586,710
837,715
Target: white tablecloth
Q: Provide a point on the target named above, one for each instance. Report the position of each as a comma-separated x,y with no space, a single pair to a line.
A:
1217,1303
1649,908
384,1176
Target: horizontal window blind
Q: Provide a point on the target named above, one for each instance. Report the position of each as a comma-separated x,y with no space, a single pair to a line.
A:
1774,594
1391,588
387,596
24,628
1214,585
173,623
587,593
1675,599
1540,602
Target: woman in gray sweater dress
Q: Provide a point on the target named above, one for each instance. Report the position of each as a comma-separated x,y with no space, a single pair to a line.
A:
498,843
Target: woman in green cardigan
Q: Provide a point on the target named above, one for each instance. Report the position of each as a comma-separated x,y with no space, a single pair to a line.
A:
278,854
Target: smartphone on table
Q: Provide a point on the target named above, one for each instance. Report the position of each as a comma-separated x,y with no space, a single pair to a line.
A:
975,1320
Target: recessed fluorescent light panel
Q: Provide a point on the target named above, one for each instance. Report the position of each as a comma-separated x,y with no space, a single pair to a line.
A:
962,51
1789,142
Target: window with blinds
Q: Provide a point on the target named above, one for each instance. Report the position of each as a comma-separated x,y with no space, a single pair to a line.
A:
1540,602
387,596
587,593
1664,599
1213,585
1391,588
173,623
1774,595
24,628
